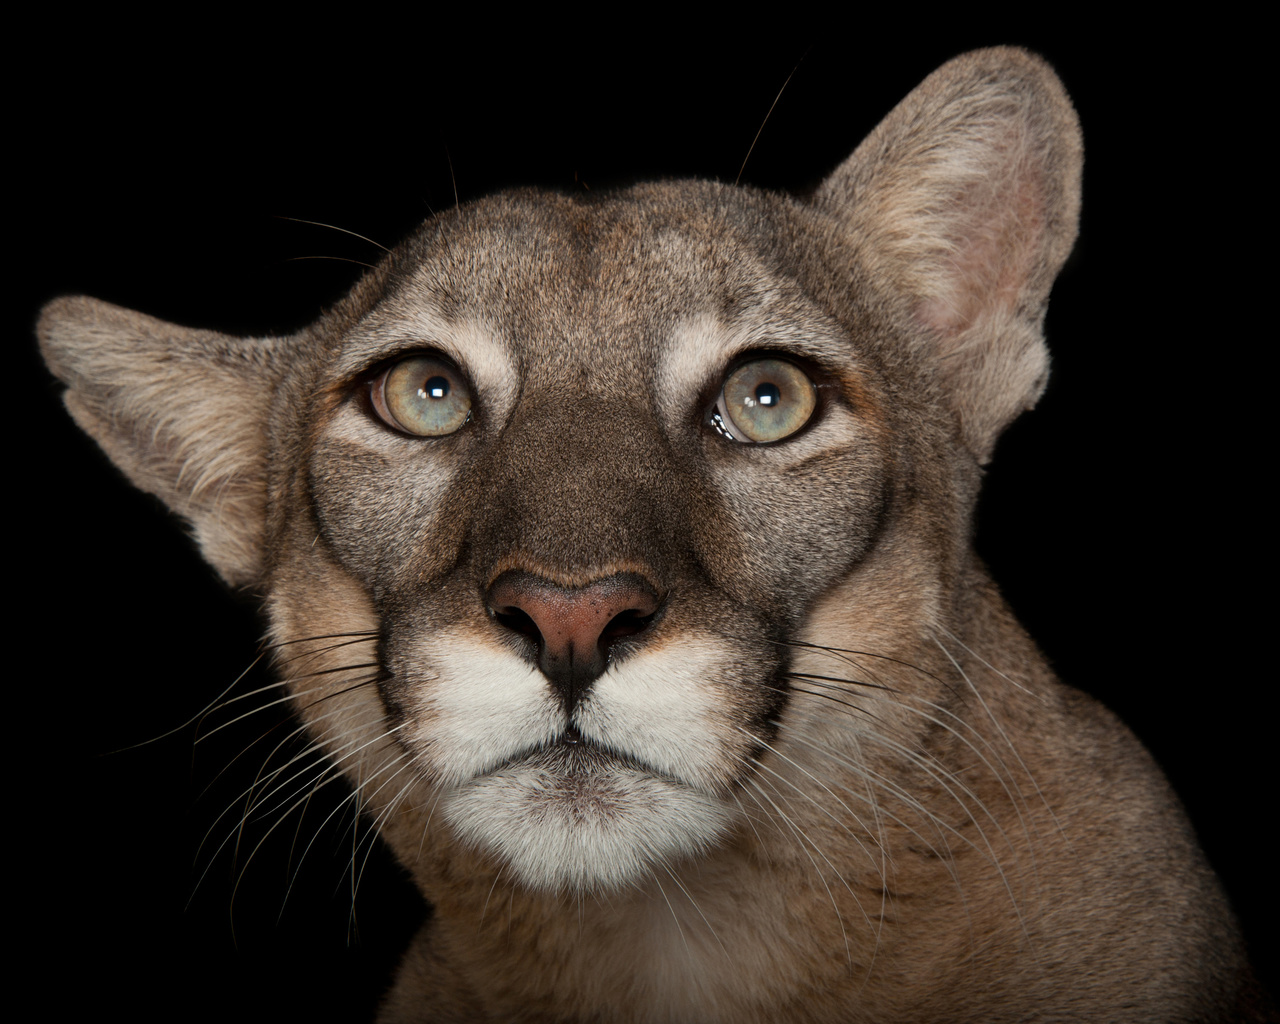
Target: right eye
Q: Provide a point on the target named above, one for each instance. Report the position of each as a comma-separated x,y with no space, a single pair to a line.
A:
422,395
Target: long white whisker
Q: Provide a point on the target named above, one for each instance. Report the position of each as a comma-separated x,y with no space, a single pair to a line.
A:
1013,682
804,843
1001,775
281,818
694,903
675,917
198,715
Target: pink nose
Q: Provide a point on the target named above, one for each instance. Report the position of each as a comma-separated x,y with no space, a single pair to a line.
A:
573,628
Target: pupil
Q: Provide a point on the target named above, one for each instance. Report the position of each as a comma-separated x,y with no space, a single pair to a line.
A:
435,387
768,394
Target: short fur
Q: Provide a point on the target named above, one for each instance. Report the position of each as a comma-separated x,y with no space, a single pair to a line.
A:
833,780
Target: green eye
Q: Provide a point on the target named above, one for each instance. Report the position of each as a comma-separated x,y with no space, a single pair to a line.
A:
422,395
764,400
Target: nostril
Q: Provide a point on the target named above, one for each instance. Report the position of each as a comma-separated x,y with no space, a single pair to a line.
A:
624,624
518,621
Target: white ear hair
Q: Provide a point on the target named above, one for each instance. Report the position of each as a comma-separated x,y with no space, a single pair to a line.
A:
181,412
966,199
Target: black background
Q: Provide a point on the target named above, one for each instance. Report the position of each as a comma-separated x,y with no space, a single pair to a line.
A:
1123,517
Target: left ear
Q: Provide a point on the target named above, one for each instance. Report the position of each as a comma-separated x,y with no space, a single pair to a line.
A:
965,201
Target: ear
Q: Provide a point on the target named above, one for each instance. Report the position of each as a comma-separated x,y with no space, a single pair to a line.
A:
182,412
965,201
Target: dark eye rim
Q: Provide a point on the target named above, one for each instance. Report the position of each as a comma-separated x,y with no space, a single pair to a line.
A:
823,383
368,381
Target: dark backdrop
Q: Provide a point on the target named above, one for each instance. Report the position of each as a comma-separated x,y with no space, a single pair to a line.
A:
1122,517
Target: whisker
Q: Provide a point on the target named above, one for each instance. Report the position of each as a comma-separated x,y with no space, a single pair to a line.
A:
947,780
457,205
1002,775
694,903
318,651
197,716
252,803
488,896
675,917
333,227
337,259
847,654
803,841
287,699
1044,800
774,750
839,679
354,800
362,635
281,818
375,827
824,694
916,758
760,130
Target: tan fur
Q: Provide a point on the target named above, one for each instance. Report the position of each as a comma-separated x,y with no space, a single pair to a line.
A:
835,781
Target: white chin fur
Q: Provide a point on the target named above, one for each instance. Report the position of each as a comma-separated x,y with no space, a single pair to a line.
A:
582,821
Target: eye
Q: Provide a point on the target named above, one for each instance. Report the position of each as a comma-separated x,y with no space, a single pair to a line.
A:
764,400
422,395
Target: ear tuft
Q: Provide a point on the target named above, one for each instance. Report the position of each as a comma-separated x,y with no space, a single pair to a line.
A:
966,200
181,412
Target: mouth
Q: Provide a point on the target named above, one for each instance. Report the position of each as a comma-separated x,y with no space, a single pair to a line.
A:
572,756
572,814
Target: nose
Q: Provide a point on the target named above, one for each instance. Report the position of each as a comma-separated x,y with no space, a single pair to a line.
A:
573,628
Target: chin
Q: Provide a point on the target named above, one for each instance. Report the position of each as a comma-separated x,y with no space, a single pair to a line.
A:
574,818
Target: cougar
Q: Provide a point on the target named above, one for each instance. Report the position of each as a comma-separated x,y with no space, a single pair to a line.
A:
617,549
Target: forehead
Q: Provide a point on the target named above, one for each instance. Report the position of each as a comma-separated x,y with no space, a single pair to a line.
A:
595,284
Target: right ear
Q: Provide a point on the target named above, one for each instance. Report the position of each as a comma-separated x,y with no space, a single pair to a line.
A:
182,412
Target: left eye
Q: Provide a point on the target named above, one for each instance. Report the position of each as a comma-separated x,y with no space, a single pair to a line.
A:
764,400
422,395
